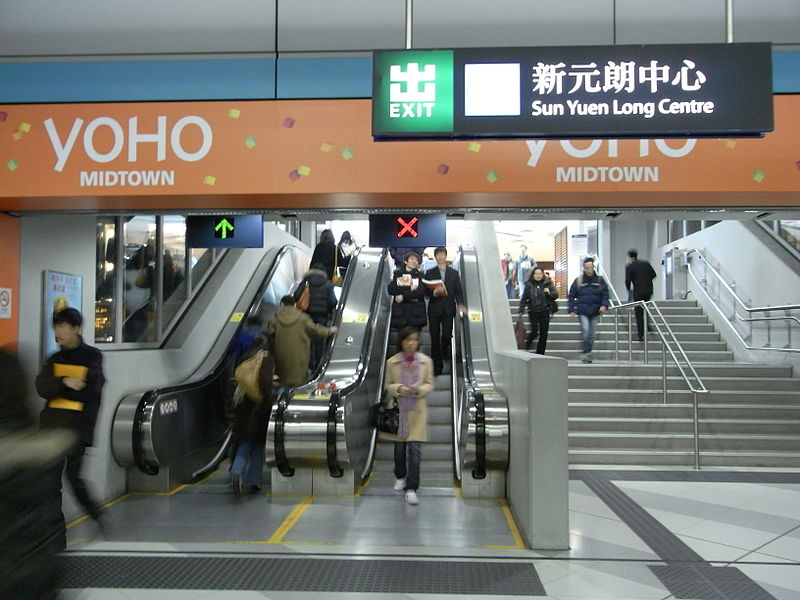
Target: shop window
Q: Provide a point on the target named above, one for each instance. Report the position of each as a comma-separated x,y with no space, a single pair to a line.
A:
174,284
139,279
105,281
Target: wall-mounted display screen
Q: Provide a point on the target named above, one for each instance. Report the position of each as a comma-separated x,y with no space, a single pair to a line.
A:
225,231
407,230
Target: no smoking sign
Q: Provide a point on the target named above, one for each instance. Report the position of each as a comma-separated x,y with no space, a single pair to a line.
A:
5,303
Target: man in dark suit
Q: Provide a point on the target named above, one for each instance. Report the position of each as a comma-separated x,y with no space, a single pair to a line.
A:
442,306
639,275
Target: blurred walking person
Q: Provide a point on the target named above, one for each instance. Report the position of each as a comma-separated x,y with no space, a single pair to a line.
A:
588,299
539,296
639,275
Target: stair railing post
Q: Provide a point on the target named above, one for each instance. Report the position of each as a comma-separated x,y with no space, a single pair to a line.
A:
664,367
646,359
630,337
616,335
696,432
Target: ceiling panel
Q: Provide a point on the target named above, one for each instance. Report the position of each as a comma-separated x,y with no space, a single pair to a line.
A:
477,23
670,21
776,21
322,25
110,27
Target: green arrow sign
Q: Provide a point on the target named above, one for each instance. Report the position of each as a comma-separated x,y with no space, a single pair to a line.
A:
223,227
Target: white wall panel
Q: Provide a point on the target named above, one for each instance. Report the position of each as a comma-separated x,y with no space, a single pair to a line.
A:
776,21
101,27
670,21
477,23
322,25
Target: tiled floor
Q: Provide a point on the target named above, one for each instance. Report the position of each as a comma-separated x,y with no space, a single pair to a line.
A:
749,525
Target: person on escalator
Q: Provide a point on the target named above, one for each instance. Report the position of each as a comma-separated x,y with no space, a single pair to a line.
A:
443,303
408,308
409,379
249,428
321,304
290,332
325,252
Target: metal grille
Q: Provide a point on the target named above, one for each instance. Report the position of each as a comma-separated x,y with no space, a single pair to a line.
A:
704,582
302,574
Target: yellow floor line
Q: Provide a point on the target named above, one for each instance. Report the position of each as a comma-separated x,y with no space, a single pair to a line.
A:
518,543
290,521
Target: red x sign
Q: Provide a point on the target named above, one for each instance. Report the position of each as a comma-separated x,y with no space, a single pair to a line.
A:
405,229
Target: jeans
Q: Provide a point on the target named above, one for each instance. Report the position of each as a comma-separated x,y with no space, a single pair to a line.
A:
588,323
248,462
407,457
510,292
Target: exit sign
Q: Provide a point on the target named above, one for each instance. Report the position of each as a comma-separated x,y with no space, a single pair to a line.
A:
407,230
225,231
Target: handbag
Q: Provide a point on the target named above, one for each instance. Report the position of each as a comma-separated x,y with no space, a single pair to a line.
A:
303,299
387,418
336,278
520,333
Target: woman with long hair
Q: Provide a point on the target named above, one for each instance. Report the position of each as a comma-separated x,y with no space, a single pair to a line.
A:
539,295
325,252
409,379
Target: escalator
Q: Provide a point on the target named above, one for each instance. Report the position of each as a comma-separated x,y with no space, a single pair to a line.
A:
178,433
324,429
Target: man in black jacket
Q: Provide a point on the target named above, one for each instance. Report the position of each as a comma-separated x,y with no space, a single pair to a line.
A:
639,275
71,381
442,303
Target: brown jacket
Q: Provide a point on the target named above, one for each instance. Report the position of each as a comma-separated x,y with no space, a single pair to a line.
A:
418,417
291,330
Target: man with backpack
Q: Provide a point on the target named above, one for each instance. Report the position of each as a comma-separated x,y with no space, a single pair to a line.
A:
588,299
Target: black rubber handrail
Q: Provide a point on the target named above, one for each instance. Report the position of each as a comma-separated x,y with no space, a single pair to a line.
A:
281,462
330,436
479,472
136,437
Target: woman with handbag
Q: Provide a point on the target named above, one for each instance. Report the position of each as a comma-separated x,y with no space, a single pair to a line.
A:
409,379
345,249
539,296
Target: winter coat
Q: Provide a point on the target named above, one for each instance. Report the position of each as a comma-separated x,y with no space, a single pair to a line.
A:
587,295
445,305
411,311
322,299
538,295
290,331
68,408
418,417
325,253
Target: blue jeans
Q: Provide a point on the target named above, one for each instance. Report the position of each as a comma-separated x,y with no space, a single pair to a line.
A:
510,293
407,456
587,331
248,462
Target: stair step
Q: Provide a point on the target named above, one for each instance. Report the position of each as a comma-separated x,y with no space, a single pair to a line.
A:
684,396
725,369
430,451
675,383
684,425
682,441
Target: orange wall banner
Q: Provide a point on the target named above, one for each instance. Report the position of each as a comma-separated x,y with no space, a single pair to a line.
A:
9,281
320,153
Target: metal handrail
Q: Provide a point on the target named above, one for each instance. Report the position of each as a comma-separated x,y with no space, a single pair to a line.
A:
744,307
602,272
699,388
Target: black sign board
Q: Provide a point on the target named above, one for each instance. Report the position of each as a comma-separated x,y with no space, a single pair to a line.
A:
225,231
407,230
571,92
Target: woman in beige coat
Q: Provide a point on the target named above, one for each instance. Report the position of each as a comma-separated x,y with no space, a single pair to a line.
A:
409,379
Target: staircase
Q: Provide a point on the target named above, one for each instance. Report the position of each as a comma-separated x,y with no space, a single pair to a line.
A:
436,469
617,415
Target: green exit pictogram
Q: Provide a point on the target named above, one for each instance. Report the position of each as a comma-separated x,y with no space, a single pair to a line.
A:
223,228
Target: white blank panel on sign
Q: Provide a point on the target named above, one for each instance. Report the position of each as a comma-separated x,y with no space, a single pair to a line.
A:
491,89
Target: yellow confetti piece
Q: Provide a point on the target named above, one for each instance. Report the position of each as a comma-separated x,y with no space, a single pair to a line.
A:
326,147
492,176
234,113
16,136
304,170
24,127
474,147
730,144
209,180
758,176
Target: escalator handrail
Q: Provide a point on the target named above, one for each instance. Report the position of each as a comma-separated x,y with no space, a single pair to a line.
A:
471,387
334,469
281,462
149,398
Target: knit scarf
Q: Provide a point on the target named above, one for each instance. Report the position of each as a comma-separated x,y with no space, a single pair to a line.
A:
409,375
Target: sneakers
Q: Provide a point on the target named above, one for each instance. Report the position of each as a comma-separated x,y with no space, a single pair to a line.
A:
411,497
399,485
586,358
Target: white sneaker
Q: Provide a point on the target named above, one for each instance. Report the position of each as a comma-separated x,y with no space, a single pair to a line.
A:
411,497
399,485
